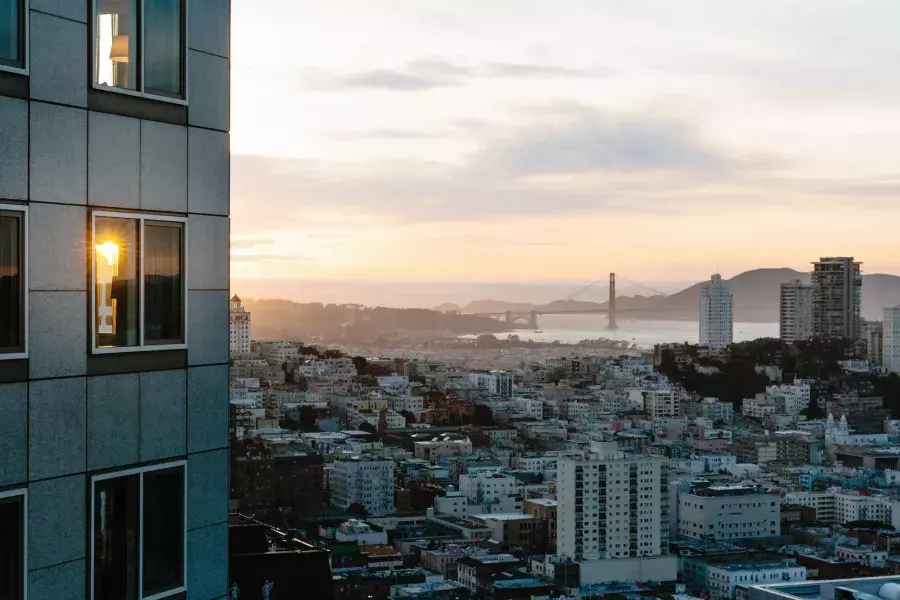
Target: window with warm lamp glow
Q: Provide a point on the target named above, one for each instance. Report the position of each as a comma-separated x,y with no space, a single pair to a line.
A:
138,282
12,282
12,34
139,46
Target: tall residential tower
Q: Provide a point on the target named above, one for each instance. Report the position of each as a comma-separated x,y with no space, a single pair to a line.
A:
891,340
114,220
836,291
716,322
239,327
795,314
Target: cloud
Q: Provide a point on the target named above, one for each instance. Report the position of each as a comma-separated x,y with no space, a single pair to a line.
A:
429,74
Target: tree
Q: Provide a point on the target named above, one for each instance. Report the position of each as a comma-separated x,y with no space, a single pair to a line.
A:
357,510
410,417
367,427
308,419
483,416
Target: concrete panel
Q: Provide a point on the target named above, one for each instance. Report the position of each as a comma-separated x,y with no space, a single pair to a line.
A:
13,148
163,409
208,92
56,427
208,171
209,26
14,433
207,567
60,582
58,62
207,488
208,252
207,408
58,165
163,167
57,334
207,327
70,9
113,421
114,161
56,522
56,246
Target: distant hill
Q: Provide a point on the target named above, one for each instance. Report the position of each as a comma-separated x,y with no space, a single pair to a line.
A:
277,319
756,297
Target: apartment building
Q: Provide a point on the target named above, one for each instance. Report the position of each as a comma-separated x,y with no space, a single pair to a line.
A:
722,513
836,294
368,480
660,404
890,355
724,579
609,506
795,311
114,204
823,502
716,319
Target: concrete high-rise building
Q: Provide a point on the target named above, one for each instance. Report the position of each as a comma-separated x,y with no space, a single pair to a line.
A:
891,331
874,333
614,507
114,220
796,312
368,480
837,287
716,320
239,327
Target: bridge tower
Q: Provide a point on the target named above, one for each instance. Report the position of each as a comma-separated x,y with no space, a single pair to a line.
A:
533,320
612,302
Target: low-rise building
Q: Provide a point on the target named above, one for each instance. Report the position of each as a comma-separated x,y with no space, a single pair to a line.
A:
728,513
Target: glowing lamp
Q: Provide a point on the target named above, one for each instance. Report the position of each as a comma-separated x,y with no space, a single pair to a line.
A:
119,50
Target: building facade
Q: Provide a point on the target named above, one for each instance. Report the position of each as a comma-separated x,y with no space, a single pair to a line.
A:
610,507
724,513
836,293
891,339
239,327
716,318
795,312
114,253
367,480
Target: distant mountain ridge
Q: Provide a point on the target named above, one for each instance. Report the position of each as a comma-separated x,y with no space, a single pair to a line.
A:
756,298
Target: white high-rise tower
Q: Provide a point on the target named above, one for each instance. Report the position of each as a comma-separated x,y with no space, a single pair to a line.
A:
239,338
891,340
716,321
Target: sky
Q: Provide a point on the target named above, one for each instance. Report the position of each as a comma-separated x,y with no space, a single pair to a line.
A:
530,140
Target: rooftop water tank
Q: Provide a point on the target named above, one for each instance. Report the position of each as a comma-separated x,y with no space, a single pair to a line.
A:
890,591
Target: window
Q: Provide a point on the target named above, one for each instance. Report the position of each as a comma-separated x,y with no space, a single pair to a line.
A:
138,531
138,282
13,28
13,552
139,47
13,282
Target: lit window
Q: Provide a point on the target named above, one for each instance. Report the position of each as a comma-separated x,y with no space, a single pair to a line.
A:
139,45
138,531
12,38
12,282
13,530
139,283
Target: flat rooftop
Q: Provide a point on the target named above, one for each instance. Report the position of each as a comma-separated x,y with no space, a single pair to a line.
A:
829,589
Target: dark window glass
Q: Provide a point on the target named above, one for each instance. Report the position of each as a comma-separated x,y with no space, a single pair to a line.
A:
12,46
12,333
12,547
116,532
163,283
116,44
163,63
116,295
163,530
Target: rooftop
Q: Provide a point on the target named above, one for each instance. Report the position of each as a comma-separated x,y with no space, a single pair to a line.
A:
861,588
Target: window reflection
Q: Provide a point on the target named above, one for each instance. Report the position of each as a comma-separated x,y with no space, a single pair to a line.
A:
11,47
163,285
116,43
116,538
162,47
116,280
11,293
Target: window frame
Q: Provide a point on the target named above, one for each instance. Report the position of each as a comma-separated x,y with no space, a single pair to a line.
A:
23,494
140,93
24,23
23,209
141,218
182,589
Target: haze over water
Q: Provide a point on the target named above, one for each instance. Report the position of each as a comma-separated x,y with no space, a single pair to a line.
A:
645,334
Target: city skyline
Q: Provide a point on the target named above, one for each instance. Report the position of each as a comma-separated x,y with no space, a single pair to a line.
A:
400,142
